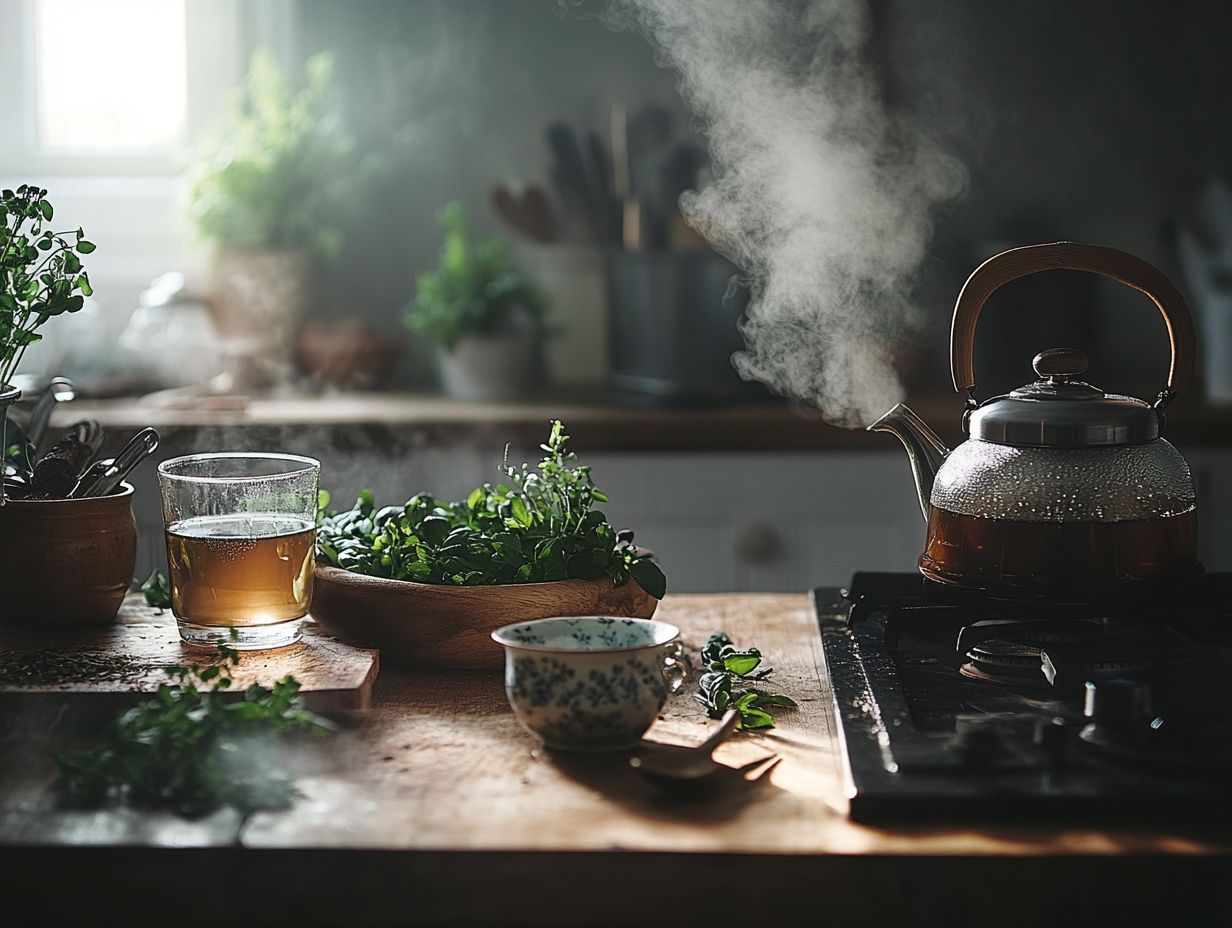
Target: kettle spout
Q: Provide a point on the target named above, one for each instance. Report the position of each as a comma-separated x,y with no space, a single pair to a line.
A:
924,448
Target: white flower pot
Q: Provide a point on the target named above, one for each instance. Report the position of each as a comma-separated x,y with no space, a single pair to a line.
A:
259,299
489,368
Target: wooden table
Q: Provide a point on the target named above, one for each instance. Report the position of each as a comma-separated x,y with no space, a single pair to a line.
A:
434,807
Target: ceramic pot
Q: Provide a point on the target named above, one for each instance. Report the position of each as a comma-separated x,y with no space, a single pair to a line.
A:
8,396
489,368
67,563
259,299
590,683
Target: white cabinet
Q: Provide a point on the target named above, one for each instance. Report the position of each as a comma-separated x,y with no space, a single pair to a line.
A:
769,521
747,521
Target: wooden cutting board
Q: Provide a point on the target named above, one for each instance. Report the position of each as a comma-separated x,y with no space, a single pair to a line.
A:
334,677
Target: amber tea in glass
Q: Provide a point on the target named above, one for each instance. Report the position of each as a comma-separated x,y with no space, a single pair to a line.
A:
240,531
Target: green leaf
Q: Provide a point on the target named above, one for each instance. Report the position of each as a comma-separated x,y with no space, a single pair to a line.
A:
45,209
434,530
755,719
649,577
742,663
520,512
157,591
770,699
84,247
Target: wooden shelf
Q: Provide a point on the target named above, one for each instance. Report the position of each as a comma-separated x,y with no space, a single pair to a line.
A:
597,423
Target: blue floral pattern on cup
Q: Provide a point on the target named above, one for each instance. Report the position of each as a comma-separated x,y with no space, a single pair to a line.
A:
589,683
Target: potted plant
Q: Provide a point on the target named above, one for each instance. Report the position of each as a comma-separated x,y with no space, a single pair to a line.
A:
68,562
427,582
485,318
270,190
40,276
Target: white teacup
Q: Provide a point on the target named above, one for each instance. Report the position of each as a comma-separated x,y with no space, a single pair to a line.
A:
590,683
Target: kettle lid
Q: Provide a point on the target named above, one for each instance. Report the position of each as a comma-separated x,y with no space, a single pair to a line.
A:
1061,411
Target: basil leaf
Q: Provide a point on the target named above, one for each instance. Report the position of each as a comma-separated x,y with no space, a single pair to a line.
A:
649,577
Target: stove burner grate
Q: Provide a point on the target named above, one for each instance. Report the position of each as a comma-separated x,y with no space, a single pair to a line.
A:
1114,658
997,660
892,652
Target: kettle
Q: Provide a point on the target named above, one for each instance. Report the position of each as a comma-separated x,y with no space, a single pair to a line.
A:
1061,491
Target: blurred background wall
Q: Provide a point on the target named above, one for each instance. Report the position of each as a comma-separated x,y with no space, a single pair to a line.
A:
1099,121
1103,121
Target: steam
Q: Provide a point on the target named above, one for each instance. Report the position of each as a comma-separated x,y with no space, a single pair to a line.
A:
819,194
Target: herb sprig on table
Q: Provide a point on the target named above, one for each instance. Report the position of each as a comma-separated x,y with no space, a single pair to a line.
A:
539,526
728,683
194,748
157,590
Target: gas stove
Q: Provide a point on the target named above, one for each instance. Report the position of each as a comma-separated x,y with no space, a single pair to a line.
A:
974,708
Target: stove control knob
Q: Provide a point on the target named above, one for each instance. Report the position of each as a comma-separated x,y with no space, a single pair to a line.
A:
1117,700
978,745
1052,737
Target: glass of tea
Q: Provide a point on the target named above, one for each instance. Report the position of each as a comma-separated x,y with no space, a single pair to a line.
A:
240,528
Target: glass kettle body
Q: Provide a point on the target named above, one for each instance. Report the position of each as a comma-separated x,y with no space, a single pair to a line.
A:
1061,491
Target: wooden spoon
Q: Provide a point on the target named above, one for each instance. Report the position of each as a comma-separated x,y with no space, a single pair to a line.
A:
670,762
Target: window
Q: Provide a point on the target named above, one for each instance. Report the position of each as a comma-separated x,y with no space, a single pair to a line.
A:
109,78
103,100
119,88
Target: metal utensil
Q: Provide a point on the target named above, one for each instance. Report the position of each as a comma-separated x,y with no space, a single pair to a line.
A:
57,472
103,477
580,193
60,390
669,763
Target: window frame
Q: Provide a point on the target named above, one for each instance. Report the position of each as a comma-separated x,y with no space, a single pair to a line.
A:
220,36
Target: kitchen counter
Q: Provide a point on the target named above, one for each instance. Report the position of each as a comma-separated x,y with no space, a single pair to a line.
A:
418,420
436,807
595,420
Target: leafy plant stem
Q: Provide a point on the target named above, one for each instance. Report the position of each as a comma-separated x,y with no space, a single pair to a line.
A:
728,684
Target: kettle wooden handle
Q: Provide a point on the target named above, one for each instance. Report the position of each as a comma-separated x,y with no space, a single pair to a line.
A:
1096,259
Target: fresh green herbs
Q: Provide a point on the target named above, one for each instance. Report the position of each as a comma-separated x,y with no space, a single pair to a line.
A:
539,526
40,272
476,289
194,748
728,683
157,590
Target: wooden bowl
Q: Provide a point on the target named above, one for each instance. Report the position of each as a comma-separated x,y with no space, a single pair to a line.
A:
67,563
425,625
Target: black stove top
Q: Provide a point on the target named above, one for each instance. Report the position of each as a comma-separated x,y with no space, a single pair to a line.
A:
974,708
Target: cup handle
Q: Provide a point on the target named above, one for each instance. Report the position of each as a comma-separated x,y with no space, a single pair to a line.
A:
675,666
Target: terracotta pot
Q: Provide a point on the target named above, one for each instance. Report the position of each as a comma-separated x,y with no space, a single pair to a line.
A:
66,563
426,625
347,354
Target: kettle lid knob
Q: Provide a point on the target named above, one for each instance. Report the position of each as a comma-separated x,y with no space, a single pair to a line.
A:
1060,362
